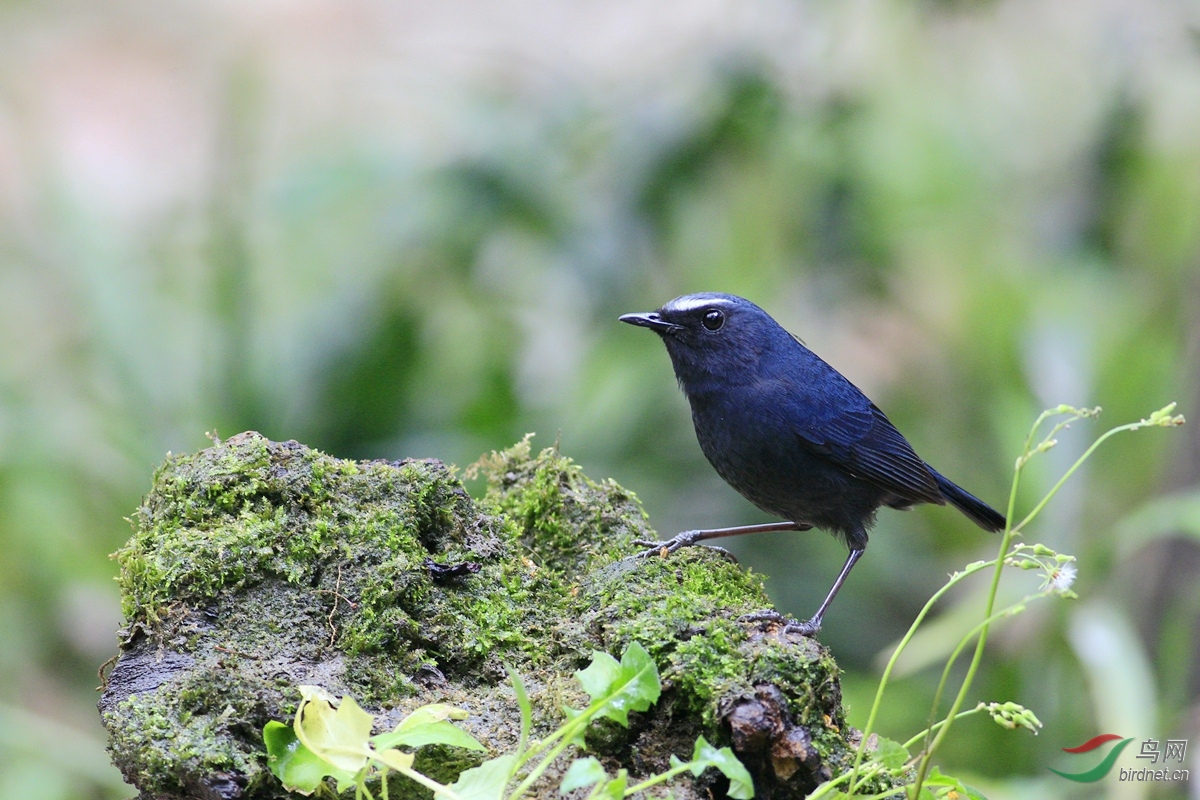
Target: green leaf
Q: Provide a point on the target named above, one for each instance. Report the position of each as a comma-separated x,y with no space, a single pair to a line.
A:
630,685
487,781
583,772
526,709
950,788
577,738
428,733
973,793
600,676
298,768
615,788
439,732
340,737
395,759
741,786
434,712
891,754
936,778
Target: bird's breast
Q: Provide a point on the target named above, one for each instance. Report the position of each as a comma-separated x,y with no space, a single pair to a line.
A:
738,435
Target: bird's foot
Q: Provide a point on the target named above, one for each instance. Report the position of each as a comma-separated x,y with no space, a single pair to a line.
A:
808,628
678,542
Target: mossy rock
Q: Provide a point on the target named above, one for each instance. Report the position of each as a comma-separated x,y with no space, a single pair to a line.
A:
259,566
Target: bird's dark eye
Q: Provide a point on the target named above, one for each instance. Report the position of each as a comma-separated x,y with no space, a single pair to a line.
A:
714,319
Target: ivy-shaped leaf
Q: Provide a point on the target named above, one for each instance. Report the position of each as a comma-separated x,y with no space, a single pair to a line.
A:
629,685
741,786
429,733
485,782
891,754
340,737
615,788
395,759
600,675
298,768
429,725
951,788
582,773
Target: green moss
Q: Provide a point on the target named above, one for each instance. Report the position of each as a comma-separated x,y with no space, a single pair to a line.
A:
251,509
552,503
209,725
808,676
257,566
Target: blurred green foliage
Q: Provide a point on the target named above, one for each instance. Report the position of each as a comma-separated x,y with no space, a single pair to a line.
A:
274,221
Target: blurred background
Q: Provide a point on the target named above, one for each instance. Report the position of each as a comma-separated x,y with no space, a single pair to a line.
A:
395,229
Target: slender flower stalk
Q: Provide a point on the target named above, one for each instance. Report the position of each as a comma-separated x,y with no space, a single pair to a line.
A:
1060,573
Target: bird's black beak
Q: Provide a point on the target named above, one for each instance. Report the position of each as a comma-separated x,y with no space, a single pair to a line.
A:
651,320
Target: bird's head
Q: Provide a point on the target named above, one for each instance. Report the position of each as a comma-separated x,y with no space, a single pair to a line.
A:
711,335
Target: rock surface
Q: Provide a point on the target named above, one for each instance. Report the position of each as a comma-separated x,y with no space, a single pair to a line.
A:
257,566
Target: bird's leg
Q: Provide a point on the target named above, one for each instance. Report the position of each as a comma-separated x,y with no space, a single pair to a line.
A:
813,625
689,538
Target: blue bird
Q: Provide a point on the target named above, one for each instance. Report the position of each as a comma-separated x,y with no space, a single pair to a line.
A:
790,433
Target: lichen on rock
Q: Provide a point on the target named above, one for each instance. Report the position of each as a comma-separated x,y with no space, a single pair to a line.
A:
257,566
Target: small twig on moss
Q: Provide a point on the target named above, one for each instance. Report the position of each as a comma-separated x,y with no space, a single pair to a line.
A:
337,595
100,673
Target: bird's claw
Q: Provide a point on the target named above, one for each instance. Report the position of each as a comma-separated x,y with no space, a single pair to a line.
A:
685,539
807,628
677,542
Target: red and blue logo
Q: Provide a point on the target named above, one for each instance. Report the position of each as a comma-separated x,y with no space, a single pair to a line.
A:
1100,770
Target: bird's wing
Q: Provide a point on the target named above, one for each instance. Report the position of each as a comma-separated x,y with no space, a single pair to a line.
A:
859,438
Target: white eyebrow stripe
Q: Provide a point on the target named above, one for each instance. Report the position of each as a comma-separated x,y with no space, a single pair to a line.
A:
691,303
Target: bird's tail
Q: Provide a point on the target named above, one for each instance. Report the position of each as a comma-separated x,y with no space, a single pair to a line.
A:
980,512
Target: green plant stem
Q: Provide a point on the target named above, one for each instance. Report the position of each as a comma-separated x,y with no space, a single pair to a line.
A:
939,724
1048,440
568,732
870,771
970,569
1009,532
923,769
540,745
881,795
1005,541
430,783
1131,426
657,779
962,645
537,771
564,741
523,705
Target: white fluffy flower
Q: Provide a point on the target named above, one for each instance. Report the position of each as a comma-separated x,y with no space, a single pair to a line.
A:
1062,578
